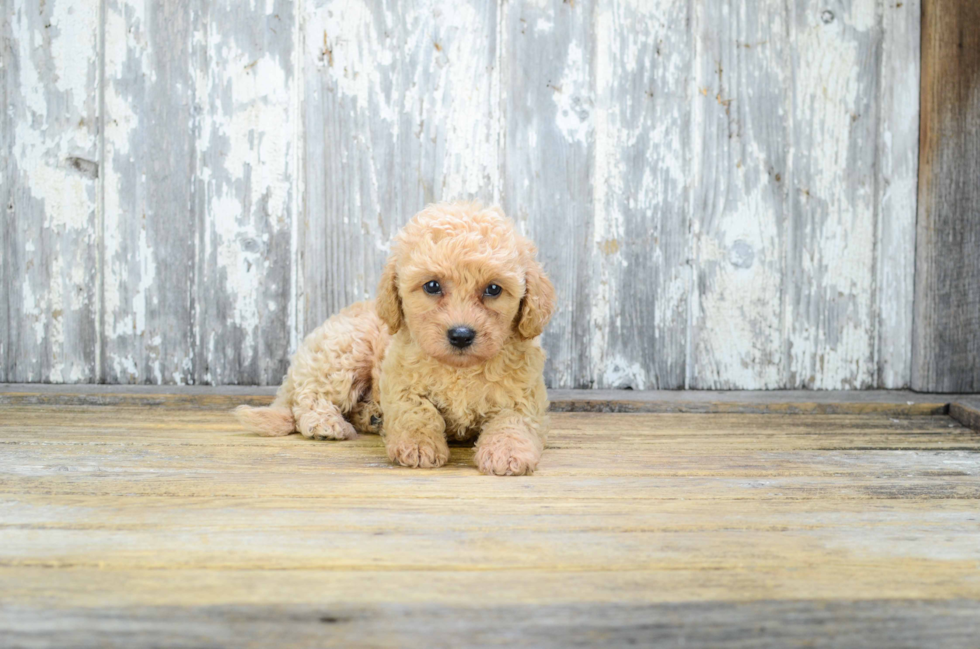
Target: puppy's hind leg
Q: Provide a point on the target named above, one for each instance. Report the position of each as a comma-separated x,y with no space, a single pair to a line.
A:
274,421
321,419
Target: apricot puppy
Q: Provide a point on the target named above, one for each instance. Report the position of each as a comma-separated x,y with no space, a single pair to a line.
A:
450,350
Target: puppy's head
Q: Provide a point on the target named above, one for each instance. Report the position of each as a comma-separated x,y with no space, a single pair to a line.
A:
463,281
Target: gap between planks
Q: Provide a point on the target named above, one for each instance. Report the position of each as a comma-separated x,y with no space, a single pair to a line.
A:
964,408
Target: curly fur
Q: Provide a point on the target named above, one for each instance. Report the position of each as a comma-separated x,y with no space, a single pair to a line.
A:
330,391
393,355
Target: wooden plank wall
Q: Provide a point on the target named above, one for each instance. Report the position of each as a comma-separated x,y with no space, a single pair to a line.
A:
947,288
723,191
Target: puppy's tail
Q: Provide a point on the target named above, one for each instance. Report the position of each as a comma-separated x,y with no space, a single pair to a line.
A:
274,421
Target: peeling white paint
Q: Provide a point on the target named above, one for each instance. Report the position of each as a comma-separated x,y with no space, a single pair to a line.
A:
897,183
620,373
830,82
249,131
259,129
147,280
423,98
73,29
51,80
42,154
573,97
740,318
608,220
342,37
461,106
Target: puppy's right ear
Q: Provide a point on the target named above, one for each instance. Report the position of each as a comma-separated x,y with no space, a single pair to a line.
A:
388,304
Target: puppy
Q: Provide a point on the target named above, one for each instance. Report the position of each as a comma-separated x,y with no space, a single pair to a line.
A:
448,351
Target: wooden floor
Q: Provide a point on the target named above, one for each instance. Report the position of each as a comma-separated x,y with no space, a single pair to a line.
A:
132,525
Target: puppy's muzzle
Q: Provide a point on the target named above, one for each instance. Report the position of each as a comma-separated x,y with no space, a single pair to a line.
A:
461,337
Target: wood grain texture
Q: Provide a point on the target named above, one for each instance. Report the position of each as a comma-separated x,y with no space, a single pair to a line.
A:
548,77
50,172
6,223
789,118
967,412
199,219
946,346
741,212
883,402
401,110
723,192
765,624
135,525
897,168
829,300
150,225
247,138
641,205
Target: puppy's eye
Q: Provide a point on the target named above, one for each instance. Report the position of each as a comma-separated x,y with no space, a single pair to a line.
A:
493,290
432,287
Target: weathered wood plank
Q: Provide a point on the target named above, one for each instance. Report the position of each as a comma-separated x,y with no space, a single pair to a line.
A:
547,77
401,110
764,624
199,219
830,237
893,402
646,460
739,228
442,540
642,53
7,125
785,237
733,530
946,345
337,589
897,181
967,412
50,171
247,173
150,192
695,173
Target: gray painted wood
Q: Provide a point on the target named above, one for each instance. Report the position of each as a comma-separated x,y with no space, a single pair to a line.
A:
643,54
7,222
247,138
897,183
199,187
946,350
400,110
723,193
49,188
785,217
548,72
741,210
828,301
150,194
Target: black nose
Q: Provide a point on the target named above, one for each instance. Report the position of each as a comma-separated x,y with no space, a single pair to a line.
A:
461,337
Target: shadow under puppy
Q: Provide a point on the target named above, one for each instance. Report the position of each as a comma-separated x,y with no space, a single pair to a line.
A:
448,350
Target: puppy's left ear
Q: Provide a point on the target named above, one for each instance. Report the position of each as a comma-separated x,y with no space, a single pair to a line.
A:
388,304
539,298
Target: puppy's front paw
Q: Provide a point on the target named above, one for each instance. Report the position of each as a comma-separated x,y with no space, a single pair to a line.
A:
507,455
319,426
418,452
